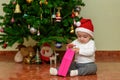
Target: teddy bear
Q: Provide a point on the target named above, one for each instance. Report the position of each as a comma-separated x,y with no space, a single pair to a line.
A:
18,56
26,54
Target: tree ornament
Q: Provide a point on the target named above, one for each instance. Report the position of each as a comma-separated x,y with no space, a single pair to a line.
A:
1,29
25,15
77,24
5,45
77,10
12,20
40,3
14,2
73,15
72,29
43,2
17,8
58,45
46,2
53,16
29,1
58,15
76,18
33,30
28,26
38,60
38,33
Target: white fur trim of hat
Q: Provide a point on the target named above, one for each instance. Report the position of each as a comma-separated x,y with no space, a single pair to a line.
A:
84,30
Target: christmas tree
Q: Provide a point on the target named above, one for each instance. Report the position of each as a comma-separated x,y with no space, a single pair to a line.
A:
42,20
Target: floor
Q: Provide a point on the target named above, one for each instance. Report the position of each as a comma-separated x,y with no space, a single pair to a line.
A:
9,70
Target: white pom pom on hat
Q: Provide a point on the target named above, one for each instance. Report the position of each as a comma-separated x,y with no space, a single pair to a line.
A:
86,26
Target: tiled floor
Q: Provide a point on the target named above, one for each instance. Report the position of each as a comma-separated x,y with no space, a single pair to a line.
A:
9,70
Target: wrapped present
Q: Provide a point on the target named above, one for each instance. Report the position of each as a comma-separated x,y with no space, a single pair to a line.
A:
66,62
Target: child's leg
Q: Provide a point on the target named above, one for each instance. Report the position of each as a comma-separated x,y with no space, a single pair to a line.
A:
72,66
87,69
84,69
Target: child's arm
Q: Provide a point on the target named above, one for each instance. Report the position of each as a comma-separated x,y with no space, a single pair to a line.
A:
76,50
74,47
70,46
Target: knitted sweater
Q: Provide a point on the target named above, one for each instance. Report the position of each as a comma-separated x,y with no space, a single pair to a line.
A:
86,53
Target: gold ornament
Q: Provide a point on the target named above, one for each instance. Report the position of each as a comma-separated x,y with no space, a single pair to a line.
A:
17,8
46,2
72,29
27,60
58,15
43,2
31,54
29,1
59,8
40,3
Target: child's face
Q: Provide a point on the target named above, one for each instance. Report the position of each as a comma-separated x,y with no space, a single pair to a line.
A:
83,37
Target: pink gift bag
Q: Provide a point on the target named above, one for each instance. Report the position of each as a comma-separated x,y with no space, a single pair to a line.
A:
66,62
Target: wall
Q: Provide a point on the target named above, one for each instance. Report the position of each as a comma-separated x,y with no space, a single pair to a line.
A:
105,16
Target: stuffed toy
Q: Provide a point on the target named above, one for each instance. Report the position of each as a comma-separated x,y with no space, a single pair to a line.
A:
28,54
18,56
46,52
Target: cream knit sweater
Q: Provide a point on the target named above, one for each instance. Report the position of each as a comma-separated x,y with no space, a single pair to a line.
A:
86,53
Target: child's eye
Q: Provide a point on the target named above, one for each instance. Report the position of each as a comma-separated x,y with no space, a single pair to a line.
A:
85,36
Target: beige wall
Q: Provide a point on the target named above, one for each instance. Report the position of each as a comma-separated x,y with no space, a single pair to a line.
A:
106,19
105,15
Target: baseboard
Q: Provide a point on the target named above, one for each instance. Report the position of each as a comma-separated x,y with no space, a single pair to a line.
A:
108,56
7,52
100,55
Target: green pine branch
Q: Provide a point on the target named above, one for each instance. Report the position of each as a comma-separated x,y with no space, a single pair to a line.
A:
38,16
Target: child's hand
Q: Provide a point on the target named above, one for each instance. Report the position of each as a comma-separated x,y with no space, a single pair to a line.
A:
70,46
76,50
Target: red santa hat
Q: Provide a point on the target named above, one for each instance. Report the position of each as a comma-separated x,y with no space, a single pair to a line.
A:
86,26
46,44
